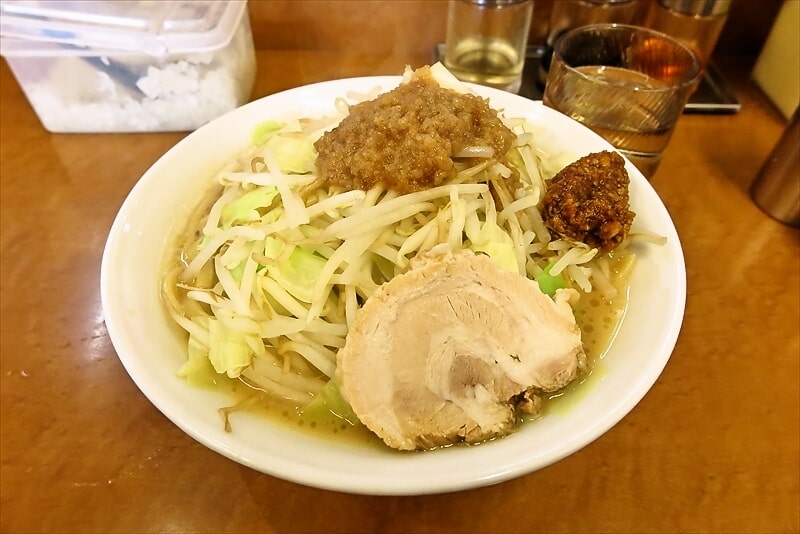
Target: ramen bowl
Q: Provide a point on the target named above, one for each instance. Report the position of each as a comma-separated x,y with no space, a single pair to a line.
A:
152,349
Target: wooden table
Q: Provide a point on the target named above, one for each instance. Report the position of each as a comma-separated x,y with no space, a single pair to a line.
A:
713,447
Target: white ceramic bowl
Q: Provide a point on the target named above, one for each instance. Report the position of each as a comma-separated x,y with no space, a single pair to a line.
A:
151,349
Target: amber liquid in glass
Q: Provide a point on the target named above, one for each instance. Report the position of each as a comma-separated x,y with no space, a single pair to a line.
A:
629,125
698,32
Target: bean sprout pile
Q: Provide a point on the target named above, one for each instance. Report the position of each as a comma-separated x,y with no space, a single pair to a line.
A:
271,275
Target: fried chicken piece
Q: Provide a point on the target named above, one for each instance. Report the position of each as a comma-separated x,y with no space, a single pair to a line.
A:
588,201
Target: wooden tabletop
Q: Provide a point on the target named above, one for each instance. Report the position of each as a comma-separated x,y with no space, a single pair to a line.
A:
713,447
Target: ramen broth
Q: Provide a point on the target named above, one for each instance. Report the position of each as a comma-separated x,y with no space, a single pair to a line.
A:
598,318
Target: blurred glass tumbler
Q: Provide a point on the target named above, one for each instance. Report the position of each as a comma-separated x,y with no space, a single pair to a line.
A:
627,83
696,23
486,41
568,14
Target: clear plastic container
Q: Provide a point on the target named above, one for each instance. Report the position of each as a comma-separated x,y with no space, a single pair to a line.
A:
129,66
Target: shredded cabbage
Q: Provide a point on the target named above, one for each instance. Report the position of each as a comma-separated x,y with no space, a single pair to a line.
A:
298,272
228,350
330,400
246,207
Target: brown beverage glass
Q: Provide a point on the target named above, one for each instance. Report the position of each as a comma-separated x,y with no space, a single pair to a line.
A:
627,83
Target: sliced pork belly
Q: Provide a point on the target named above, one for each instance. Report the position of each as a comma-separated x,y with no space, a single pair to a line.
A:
442,353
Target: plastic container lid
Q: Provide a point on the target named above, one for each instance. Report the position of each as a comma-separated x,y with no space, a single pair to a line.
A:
87,27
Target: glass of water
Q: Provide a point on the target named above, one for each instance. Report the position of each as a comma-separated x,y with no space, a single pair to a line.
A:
486,41
627,83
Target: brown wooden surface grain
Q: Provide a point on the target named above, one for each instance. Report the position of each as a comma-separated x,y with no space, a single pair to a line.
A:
713,447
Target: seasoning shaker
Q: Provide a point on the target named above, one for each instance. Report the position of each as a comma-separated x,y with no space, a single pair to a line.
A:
776,189
486,41
568,14
697,23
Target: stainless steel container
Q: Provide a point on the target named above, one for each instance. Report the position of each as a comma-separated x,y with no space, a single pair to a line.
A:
776,189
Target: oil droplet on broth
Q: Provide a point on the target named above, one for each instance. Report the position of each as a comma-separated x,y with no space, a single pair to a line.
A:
598,329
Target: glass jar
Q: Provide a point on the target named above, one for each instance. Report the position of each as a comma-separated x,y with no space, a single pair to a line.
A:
486,41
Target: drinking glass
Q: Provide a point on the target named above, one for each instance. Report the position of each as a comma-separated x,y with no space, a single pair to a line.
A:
697,23
568,14
486,41
627,83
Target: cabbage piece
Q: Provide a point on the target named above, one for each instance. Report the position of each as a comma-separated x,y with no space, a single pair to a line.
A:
237,272
299,272
497,244
197,369
244,208
330,401
292,153
447,79
263,131
552,164
228,353
549,283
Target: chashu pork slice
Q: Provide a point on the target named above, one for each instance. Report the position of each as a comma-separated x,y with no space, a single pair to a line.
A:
438,354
